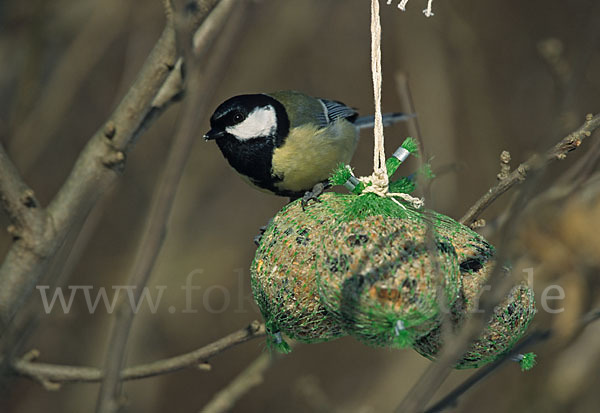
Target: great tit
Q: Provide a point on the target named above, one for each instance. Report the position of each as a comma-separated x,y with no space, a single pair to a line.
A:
288,143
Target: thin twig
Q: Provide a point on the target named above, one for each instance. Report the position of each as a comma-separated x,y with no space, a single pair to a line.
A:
452,397
408,106
535,337
250,377
558,152
59,374
423,184
573,178
414,130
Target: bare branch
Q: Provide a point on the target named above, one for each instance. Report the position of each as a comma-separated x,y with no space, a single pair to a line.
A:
164,196
504,165
251,377
558,152
19,202
96,169
531,339
408,106
452,397
60,374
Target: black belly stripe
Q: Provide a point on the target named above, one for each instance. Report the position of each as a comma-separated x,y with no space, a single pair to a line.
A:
253,159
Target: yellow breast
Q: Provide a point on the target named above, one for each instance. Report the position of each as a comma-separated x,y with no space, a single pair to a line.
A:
309,154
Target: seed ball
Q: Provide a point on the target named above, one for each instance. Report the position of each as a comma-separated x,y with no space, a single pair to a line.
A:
283,275
323,272
511,317
507,325
475,254
383,276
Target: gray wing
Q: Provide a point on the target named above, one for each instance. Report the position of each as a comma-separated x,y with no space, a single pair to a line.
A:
333,110
388,119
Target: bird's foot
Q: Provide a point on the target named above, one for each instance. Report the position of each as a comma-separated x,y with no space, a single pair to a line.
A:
313,195
261,232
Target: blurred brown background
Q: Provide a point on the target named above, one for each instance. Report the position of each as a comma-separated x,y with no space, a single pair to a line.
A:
485,77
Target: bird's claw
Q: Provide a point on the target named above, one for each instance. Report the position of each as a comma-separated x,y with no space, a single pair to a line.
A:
312,195
261,232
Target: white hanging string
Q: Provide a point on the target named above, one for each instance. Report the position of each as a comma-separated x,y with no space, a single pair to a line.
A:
379,179
427,12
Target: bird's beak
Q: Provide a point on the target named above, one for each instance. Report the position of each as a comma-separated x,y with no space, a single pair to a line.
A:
213,134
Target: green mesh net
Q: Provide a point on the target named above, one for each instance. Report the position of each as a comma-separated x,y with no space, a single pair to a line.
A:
511,317
284,279
381,271
507,325
382,276
318,275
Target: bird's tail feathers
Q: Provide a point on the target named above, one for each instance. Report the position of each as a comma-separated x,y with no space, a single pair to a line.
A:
388,119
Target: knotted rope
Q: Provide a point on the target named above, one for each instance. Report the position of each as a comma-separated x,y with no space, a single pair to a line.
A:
379,179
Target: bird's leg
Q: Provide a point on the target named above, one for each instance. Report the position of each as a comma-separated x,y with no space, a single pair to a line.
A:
261,232
313,194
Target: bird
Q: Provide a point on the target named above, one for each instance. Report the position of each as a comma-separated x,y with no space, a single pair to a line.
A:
288,143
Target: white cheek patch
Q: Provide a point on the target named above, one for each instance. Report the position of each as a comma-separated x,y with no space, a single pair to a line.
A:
260,122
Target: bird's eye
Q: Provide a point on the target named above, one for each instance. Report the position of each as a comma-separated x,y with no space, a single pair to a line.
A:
238,117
